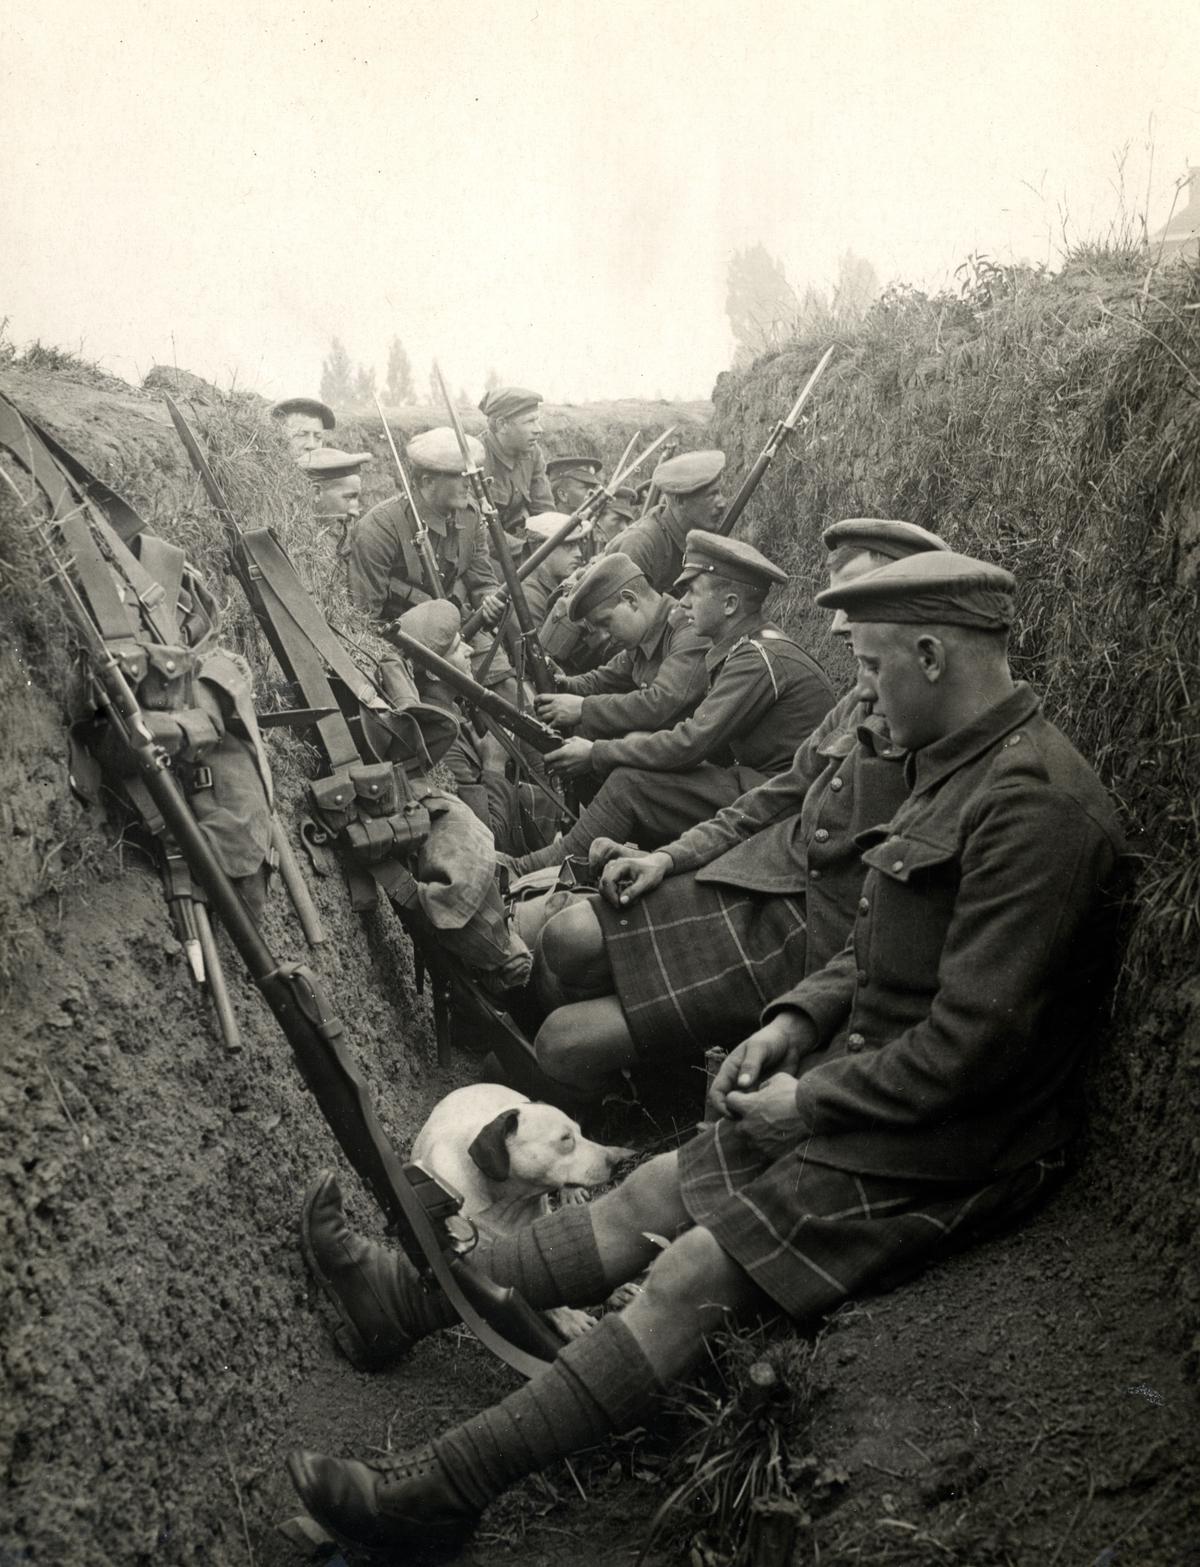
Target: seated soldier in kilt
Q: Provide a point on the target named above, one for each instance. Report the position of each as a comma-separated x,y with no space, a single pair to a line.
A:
919,1089
689,942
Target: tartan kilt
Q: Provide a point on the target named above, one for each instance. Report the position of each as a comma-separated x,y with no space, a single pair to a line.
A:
810,1235
693,964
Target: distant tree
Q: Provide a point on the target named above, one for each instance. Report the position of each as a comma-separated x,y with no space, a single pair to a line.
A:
759,302
492,381
362,392
465,399
336,379
398,389
857,286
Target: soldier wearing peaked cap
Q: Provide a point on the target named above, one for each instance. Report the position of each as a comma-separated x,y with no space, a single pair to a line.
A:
765,695
917,1091
691,499
513,462
572,480
544,582
337,476
658,674
303,421
740,905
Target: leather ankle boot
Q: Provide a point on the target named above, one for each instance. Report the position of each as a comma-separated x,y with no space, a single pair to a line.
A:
402,1501
382,1305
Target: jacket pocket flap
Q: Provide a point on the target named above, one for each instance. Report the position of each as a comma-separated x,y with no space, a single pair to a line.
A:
901,858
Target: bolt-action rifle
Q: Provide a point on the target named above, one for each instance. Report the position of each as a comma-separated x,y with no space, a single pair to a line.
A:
518,723
775,440
414,1203
429,566
589,507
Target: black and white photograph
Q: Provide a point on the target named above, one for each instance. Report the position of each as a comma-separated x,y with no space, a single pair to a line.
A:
600,788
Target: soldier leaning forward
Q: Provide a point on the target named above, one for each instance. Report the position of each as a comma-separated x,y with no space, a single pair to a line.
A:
765,696
691,499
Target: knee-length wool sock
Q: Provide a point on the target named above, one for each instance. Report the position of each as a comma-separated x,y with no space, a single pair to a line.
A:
553,1262
597,1385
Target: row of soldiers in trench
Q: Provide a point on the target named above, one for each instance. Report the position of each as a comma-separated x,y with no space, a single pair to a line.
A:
895,906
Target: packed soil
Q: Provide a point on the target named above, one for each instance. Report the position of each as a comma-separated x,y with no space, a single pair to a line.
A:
1025,1403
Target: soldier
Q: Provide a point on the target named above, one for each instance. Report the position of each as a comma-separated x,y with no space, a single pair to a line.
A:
658,676
919,1090
520,816
691,500
687,940
765,696
572,480
303,421
618,514
543,583
386,574
338,479
513,463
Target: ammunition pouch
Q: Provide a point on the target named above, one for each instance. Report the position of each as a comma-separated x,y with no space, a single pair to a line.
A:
371,814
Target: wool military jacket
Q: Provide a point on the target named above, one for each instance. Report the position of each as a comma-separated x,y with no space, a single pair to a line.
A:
796,832
654,543
519,486
955,1019
541,589
765,696
385,570
650,686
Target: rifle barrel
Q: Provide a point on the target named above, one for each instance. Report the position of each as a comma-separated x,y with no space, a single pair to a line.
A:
523,725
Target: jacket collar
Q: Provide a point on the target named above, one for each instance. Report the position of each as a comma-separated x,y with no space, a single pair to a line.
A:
933,763
497,454
721,649
657,629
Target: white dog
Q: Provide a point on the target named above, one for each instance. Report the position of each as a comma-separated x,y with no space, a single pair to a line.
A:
505,1154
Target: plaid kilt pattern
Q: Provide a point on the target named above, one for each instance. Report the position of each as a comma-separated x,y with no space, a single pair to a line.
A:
810,1235
694,965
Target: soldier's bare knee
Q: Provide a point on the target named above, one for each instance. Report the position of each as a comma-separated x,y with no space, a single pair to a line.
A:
649,1198
694,1275
571,940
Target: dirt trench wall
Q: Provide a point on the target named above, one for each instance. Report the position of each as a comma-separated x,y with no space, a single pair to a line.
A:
150,1286
1051,425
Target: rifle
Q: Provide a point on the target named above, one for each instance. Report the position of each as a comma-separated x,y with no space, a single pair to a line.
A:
410,1199
519,723
589,507
540,671
429,565
775,440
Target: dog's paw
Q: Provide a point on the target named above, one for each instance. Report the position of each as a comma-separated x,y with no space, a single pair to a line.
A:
573,1194
622,1295
570,1322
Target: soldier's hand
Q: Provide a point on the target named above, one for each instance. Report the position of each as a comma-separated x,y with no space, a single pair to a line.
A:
631,876
491,609
561,709
776,1047
769,1115
573,757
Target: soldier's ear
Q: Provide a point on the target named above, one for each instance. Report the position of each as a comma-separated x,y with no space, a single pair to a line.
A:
490,1147
931,652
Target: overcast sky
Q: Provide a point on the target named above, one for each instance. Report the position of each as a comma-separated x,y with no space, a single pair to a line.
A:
548,187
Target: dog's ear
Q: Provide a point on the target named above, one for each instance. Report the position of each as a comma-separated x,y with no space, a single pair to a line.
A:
490,1148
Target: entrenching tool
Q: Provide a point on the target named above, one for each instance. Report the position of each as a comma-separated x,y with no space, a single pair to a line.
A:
775,440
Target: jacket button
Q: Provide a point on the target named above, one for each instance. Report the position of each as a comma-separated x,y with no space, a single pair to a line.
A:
864,906
835,784
897,865
813,875
855,1042
821,835
863,976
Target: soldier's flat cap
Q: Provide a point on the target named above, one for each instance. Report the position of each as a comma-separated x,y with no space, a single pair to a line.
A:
621,506
328,463
435,624
689,472
546,523
882,537
305,405
437,451
506,402
602,581
929,589
586,469
733,559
